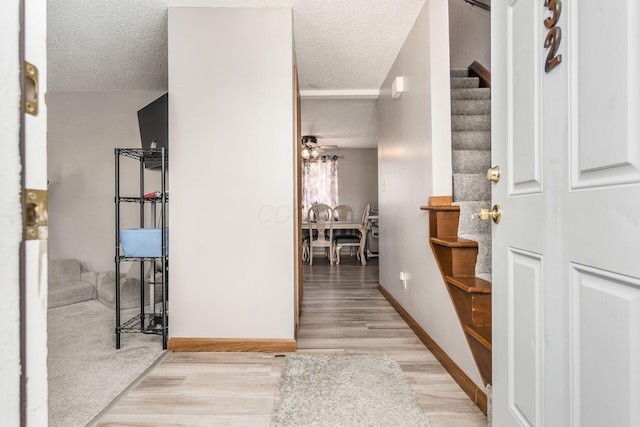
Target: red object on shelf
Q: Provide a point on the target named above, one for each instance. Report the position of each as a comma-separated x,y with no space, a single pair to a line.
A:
153,194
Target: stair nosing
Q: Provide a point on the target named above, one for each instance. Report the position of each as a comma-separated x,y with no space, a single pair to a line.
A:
472,330
458,282
454,242
440,208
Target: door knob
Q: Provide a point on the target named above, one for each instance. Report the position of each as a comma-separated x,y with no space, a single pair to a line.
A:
493,174
495,213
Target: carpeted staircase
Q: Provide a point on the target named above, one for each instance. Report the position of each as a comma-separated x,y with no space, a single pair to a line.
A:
471,156
460,241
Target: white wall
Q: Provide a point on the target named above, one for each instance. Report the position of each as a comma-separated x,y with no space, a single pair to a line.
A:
231,132
10,214
357,177
84,128
469,34
414,133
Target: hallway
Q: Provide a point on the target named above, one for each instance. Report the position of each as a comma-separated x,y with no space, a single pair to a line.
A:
342,312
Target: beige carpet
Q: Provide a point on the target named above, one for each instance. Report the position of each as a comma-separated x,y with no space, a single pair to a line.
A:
323,390
86,372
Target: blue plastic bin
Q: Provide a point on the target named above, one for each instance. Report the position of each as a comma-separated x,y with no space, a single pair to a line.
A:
143,242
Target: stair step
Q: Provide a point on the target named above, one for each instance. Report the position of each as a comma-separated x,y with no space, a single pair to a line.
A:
470,161
440,208
443,222
483,261
473,308
471,107
465,82
471,140
470,285
469,222
481,334
454,242
471,187
479,339
443,216
485,276
439,203
456,257
459,72
470,93
474,122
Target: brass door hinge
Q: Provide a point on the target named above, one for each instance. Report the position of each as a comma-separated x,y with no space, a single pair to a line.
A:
36,204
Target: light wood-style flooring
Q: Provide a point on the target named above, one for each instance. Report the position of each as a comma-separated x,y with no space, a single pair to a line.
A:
342,313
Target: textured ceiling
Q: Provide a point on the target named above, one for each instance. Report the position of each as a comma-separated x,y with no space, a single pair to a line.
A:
347,123
106,45
121,45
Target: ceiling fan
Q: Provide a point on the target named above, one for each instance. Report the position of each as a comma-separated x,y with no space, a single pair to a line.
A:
311,149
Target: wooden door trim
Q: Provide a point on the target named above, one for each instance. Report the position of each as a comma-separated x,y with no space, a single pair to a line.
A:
260,345
297,200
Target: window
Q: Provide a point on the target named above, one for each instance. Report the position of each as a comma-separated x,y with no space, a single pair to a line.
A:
319,183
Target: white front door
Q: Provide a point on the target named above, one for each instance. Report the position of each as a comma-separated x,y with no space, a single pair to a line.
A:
566,268
35,249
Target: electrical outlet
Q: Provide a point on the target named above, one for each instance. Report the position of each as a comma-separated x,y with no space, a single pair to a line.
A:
403,278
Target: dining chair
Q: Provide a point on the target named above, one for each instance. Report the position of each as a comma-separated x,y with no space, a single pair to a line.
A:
305,245
343,213
305,238
320,220
356,241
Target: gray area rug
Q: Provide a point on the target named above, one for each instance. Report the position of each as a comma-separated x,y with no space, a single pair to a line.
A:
86,372
324,390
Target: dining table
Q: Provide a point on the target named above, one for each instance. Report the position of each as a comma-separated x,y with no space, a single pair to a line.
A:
338,225
343,225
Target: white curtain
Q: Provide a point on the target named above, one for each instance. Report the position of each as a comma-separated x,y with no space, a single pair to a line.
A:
319,183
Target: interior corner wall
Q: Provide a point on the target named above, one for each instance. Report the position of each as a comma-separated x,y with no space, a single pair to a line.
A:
469,34
407,173
232,173
83,130
10,213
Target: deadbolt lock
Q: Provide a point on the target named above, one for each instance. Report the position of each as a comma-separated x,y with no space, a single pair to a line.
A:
493,174
495,213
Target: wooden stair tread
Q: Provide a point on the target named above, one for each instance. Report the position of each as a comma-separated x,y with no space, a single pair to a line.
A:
482,334
440,208
454,242
470,284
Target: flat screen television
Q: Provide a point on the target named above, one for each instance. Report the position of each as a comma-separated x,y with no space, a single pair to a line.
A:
153,121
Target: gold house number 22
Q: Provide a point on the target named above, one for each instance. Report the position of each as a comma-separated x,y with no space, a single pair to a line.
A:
552,40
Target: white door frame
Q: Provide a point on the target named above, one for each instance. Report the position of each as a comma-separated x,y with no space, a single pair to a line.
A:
10,211
34,260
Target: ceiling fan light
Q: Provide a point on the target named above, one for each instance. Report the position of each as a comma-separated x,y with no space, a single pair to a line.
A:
315,153
309,140
305,153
